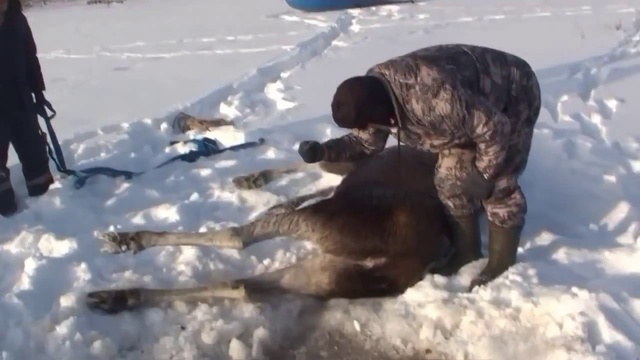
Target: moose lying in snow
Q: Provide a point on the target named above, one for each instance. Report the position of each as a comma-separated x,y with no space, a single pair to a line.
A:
379,232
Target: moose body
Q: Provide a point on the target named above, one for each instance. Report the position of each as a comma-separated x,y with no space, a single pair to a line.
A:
379,231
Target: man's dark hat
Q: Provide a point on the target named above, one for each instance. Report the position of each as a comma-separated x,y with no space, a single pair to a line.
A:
359,101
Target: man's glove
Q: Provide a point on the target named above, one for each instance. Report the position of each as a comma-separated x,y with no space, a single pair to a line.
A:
311,151
477,186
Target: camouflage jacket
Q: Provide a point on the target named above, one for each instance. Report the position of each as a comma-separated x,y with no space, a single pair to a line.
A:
445,96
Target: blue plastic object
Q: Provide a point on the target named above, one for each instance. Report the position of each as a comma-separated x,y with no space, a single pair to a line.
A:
333,5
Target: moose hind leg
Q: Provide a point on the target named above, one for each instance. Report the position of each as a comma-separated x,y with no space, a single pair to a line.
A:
324,276
119,300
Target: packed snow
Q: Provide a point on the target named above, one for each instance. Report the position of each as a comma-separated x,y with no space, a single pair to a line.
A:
118,74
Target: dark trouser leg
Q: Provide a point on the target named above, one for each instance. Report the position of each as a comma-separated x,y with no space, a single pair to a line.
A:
7,196
464,212
30,144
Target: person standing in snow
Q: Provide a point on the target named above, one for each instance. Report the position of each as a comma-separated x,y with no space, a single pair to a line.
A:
21,99
474,106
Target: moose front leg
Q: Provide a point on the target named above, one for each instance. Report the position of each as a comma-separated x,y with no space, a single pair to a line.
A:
297,224
261,178
136,241
115,301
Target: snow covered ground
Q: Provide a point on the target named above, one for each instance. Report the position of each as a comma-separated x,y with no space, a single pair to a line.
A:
117,75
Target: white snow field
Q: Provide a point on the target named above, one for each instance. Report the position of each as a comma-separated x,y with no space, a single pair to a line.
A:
118,74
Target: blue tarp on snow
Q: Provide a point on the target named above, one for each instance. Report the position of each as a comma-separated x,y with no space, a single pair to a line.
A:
330,5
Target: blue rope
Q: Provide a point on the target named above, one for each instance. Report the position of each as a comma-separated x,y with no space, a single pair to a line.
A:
204,147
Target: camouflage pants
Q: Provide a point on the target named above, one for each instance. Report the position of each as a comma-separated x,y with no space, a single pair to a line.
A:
507,206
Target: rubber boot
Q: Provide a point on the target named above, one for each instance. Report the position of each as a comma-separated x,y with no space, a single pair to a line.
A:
466,241
503,247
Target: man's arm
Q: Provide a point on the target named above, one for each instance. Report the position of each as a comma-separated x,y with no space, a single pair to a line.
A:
356,145
36,80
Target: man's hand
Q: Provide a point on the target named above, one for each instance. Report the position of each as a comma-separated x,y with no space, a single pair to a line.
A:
42,104
311,151
477,186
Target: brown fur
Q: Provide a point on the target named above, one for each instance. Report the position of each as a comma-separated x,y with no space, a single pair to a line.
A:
386,208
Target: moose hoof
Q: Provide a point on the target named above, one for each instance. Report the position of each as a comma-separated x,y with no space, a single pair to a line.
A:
121,242
113,301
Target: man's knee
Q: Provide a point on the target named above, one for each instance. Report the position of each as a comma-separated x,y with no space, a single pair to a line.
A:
460,206
456,163
451,170
507,207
